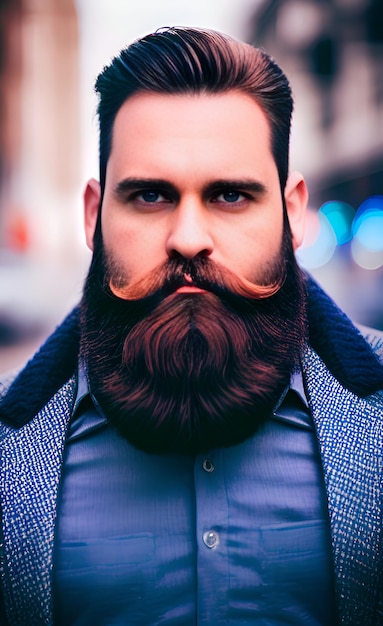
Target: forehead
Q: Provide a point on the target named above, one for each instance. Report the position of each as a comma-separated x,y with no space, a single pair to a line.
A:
154,110
227,127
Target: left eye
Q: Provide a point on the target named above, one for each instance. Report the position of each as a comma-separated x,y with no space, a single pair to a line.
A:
229,196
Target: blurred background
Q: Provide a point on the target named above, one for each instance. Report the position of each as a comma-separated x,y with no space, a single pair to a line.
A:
50,54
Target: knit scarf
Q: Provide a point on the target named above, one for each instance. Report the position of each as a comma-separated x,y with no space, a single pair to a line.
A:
331,334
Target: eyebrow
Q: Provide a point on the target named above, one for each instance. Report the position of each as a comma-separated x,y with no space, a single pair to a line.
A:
133,184
244,184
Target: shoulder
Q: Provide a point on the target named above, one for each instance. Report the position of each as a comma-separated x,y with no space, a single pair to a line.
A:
24,393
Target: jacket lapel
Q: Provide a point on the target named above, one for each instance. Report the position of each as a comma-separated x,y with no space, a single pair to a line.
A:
29,478
350,437
350,434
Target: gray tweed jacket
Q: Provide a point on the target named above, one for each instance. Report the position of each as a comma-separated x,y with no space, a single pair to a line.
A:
350,434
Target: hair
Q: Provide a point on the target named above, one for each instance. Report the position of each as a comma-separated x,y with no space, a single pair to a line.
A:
182,60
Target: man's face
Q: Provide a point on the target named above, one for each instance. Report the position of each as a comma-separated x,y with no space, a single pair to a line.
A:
209,317
192,175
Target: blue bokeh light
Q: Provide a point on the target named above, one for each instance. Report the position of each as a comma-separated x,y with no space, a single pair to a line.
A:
367,243
368,223
336,224
321,249
340,215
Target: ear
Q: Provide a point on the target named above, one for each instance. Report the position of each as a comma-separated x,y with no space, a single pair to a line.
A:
296,197
92,196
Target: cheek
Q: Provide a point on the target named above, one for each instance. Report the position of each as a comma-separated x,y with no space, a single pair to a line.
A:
252,251
135,250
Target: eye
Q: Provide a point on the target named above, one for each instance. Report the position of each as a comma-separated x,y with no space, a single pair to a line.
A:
151,196
149,199
230,196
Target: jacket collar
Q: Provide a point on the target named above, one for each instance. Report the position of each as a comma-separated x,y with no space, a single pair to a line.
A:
31,462
44,374
331,334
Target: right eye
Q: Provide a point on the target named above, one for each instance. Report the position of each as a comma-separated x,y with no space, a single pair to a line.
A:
151,196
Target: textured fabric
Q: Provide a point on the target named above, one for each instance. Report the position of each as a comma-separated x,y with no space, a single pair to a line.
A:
351,460
29,476
332,336
330,332
47,371
350,435
130,535
356,541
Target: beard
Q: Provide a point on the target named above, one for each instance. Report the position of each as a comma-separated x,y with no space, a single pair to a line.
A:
186,372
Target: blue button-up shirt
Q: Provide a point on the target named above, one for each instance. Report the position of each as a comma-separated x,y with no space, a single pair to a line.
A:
238,536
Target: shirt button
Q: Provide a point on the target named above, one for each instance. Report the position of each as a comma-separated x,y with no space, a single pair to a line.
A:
208,465
210,538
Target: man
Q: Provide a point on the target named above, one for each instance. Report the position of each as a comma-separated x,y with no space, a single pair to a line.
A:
201,441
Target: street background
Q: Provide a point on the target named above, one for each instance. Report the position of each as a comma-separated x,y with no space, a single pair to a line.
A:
50,54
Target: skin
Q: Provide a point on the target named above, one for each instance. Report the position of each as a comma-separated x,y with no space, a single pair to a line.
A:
193,175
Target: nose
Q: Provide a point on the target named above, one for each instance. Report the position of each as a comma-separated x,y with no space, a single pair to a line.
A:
189,234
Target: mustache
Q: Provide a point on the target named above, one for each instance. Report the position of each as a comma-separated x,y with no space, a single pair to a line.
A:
184,374
200,272
175,373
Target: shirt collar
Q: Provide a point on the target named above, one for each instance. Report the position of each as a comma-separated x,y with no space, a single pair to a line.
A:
293,406
82,387
296,384
84,420
282,409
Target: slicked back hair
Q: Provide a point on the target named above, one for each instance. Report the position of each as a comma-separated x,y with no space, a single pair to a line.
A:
183,60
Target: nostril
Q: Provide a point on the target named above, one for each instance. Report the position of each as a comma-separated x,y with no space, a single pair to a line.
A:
189,254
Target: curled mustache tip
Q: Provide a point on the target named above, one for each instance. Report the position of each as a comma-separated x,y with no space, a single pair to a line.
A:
202,274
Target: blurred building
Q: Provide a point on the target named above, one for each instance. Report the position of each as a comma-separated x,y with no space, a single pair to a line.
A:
39,124
40,167
332,51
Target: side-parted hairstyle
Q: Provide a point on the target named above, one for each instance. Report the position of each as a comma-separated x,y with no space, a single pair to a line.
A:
183,60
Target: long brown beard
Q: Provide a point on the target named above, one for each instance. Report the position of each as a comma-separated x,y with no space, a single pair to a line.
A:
179,372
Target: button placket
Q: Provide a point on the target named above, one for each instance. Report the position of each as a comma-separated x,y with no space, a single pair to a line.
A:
211,537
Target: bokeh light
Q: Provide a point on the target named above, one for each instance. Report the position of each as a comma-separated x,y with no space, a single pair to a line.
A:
367,243
340,215
337,224
317,250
